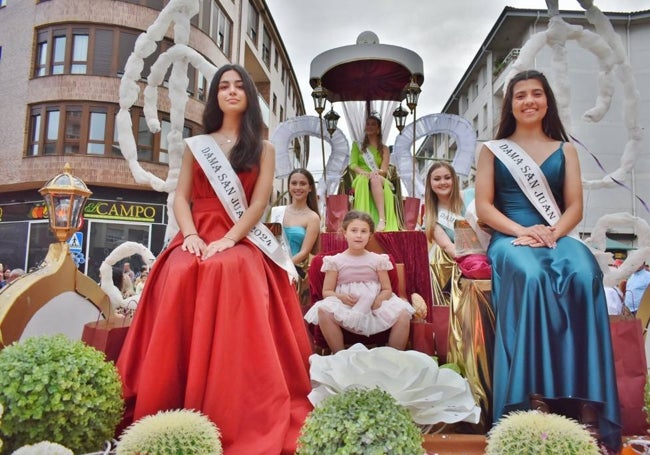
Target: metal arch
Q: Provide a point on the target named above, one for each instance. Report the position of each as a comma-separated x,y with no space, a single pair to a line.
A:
454,125
307,125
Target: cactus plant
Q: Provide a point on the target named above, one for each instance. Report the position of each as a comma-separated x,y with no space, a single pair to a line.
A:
534,432
360,421
182,432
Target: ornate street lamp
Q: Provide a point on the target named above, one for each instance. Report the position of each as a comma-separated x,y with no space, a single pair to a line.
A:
319,96
412,94
65,196
331,118
400,115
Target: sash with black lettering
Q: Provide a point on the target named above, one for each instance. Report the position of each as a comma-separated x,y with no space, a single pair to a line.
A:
528,176
229,190
369,159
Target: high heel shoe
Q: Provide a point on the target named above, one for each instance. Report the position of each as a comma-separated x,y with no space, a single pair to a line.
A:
537,403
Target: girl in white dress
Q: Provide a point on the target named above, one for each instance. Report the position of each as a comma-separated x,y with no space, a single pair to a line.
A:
357,291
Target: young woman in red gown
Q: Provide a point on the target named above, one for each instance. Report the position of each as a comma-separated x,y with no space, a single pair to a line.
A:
218,328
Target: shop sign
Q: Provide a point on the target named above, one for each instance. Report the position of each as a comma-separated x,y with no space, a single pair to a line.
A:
105,210
124,211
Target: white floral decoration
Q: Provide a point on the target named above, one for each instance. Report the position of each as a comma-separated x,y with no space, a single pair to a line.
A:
431,394
43,448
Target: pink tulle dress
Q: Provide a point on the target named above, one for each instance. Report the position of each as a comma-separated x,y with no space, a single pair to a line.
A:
357,275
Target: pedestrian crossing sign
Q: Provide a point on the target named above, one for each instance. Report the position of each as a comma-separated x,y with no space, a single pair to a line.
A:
75,242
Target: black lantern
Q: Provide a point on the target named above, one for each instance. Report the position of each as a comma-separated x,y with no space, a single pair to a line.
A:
331,119
320,97
65,196
400,115
412,94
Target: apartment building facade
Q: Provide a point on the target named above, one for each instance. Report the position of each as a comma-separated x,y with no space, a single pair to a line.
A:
61,63
478,96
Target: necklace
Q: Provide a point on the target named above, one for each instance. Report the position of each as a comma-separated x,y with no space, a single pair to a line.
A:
228,140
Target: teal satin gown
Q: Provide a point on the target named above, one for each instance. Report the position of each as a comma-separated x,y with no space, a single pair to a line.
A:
295,235
552,329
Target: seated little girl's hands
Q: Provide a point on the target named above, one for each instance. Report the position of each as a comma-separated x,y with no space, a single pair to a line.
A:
349,299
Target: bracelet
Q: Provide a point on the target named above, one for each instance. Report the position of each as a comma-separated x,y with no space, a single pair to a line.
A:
230,238
189,235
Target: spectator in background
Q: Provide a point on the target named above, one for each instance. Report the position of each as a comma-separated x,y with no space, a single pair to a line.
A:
635,287
2,276
614,294
15,274
139,281
127,271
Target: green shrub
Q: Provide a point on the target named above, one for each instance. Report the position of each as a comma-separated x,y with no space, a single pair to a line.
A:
360,421
178,432
533,432
59,390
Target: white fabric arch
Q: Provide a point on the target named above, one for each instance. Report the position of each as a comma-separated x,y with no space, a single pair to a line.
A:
451,124
307,125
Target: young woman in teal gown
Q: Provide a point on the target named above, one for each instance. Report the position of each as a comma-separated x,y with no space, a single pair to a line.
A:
372,190
552,340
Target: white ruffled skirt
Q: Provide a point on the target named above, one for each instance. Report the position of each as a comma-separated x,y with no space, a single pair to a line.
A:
360,318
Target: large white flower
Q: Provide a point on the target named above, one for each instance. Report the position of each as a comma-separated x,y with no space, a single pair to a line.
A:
431,394
43,448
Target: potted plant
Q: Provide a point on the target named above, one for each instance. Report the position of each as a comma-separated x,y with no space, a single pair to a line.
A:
534,432
179,431
360,421
58,390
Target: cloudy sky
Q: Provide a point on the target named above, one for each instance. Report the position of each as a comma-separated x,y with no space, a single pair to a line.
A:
445,33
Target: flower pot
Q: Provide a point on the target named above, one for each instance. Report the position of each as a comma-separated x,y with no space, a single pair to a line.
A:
452,444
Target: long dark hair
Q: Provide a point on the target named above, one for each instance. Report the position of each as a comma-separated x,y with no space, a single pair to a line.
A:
380,140
312,200
551,123
431,199
246,153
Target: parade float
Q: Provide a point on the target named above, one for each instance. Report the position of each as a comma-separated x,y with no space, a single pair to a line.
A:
361,78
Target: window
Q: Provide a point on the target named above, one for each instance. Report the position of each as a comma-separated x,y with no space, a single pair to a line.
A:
253,21
72,130
221,29
275,103
95,50
90,129
79,64
97,133
201,87
35,133
281,114
58,54
51,131
266,47
276,59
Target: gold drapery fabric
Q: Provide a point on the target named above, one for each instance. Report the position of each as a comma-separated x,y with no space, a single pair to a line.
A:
471,342
445,277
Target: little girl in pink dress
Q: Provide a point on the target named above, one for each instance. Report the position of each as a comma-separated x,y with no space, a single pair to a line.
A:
357,291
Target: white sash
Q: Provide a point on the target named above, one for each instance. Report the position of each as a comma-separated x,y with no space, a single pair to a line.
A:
369,160
446,218
277,216
229,190
528,176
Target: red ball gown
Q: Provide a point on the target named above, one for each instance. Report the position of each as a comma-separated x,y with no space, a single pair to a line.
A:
223,336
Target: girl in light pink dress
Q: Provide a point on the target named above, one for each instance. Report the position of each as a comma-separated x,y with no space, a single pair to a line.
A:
357,291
